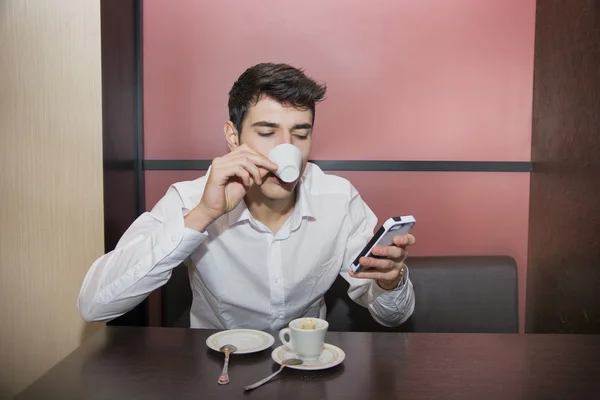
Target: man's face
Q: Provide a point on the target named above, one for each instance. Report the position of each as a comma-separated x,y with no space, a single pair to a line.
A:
268,124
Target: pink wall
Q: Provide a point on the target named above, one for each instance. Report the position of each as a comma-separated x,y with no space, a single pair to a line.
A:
427,80
433,79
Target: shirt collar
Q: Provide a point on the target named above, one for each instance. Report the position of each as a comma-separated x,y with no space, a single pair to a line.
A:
239,214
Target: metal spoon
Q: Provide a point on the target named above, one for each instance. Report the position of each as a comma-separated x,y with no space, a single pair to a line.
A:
289,361
227,349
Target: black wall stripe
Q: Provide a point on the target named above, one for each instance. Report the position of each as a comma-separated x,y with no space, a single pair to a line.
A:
367,165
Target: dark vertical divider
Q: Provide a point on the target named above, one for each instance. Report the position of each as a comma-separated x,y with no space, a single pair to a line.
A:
139,105
122,127
563,274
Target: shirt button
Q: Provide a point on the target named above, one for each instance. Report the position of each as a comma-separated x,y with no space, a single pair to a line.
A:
173,239
276,280
280,315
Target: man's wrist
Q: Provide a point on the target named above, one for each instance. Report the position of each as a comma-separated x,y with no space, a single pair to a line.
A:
198,219
391,285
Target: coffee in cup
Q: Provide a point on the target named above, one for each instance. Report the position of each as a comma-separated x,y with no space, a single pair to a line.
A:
306,337
308,323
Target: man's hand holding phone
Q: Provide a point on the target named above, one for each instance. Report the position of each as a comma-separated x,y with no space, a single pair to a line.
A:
230,178
382,259
388,268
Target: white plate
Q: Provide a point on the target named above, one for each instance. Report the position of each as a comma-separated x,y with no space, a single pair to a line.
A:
246,340
331,356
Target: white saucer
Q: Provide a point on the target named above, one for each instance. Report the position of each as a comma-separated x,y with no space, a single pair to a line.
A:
331,356
246,340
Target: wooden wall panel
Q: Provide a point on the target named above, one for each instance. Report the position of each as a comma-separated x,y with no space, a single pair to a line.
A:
51,227
564,238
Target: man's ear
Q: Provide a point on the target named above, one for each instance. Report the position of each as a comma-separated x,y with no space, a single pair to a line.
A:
231,136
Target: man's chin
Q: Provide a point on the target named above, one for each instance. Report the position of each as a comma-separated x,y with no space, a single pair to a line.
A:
276,189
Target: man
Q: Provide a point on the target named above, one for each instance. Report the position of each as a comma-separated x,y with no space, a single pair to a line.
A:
260,252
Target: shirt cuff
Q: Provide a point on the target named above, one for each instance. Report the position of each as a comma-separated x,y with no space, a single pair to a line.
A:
177,241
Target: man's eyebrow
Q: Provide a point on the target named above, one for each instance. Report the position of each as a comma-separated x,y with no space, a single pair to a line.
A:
268,124
265,124
302,126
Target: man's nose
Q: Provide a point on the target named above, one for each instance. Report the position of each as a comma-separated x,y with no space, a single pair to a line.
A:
286,138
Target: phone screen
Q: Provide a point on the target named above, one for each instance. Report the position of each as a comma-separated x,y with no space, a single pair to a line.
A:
369,245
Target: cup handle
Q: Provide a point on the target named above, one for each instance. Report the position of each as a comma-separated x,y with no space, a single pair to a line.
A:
282,334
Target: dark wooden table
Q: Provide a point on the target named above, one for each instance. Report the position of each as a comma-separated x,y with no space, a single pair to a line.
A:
172,363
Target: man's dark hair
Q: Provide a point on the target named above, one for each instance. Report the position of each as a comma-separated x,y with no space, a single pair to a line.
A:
283,83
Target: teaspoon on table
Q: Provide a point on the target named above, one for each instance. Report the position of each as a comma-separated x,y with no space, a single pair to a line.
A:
227,349
284,363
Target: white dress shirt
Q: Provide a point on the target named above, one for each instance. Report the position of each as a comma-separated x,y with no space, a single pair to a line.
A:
241,274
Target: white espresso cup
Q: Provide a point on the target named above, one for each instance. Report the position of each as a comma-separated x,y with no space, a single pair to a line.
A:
289,161
306,337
